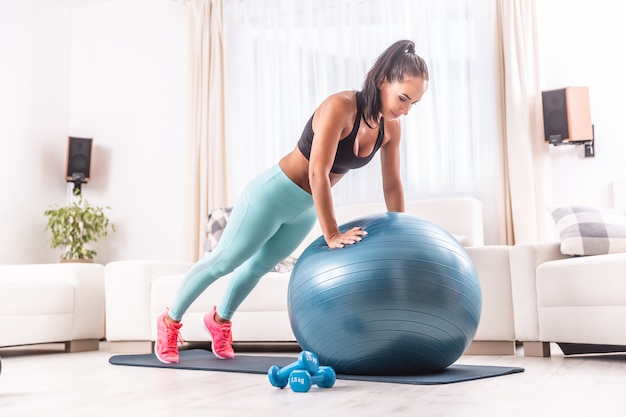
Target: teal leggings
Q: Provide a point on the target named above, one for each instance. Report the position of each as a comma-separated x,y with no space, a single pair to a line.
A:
272,217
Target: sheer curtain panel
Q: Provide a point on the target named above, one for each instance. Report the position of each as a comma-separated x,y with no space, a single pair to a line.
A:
207,147
527,157
286,56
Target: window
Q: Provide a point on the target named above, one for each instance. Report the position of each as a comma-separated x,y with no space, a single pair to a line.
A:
284,57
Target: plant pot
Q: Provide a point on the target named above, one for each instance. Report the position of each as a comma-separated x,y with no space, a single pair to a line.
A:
77,261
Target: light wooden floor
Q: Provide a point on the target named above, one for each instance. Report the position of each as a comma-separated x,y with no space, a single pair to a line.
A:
43,381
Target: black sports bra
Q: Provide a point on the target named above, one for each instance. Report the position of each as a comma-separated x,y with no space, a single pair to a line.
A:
345,159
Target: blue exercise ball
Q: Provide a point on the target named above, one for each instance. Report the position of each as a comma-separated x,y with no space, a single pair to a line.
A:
404,300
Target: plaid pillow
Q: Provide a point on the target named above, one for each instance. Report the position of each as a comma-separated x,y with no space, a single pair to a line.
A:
587,230
215,226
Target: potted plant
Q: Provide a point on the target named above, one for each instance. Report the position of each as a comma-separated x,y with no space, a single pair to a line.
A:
76,225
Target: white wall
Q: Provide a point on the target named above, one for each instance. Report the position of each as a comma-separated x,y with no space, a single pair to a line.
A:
34,97
130,77
117,72
581,46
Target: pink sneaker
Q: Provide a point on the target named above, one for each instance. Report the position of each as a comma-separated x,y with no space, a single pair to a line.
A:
221,336
168,338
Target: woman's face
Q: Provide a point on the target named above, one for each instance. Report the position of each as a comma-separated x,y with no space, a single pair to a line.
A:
398,97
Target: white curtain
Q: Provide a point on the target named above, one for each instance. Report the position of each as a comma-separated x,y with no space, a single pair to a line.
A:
285,56
526,156
207,148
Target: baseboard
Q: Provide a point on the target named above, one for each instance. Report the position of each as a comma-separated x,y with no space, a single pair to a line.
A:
537,349
491,347
82,345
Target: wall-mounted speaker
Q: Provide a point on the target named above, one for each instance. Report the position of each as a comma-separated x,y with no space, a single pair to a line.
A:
567,115
78,159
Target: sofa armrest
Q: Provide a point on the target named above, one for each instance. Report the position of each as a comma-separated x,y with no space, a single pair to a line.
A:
494,272
89,304
127,288
525,258
87,295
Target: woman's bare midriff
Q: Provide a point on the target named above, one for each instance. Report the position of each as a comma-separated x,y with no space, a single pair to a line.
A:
296,167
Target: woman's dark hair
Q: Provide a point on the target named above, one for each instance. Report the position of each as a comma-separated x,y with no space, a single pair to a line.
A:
394,64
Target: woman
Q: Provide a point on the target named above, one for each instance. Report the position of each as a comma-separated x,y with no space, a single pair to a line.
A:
278,208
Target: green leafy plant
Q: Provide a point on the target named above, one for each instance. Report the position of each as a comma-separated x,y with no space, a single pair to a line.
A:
76,225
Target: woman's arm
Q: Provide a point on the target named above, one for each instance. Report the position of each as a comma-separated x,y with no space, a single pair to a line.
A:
393,189
332,118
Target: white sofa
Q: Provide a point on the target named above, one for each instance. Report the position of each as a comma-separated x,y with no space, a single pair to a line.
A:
577,302
52,303
138,291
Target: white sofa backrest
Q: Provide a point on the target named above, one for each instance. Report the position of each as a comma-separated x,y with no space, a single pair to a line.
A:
460,216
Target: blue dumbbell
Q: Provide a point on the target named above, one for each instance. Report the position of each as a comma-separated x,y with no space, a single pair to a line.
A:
301,381
307,361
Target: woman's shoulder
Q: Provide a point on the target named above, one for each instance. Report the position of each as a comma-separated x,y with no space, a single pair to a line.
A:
340,102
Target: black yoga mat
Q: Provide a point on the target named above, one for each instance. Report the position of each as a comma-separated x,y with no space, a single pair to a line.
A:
204,360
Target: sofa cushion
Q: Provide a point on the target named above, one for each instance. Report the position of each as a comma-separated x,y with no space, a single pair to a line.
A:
585,230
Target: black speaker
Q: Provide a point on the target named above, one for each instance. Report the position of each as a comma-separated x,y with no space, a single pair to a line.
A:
567,115
78,159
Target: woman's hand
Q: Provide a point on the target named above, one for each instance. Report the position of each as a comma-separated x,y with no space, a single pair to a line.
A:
350,237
